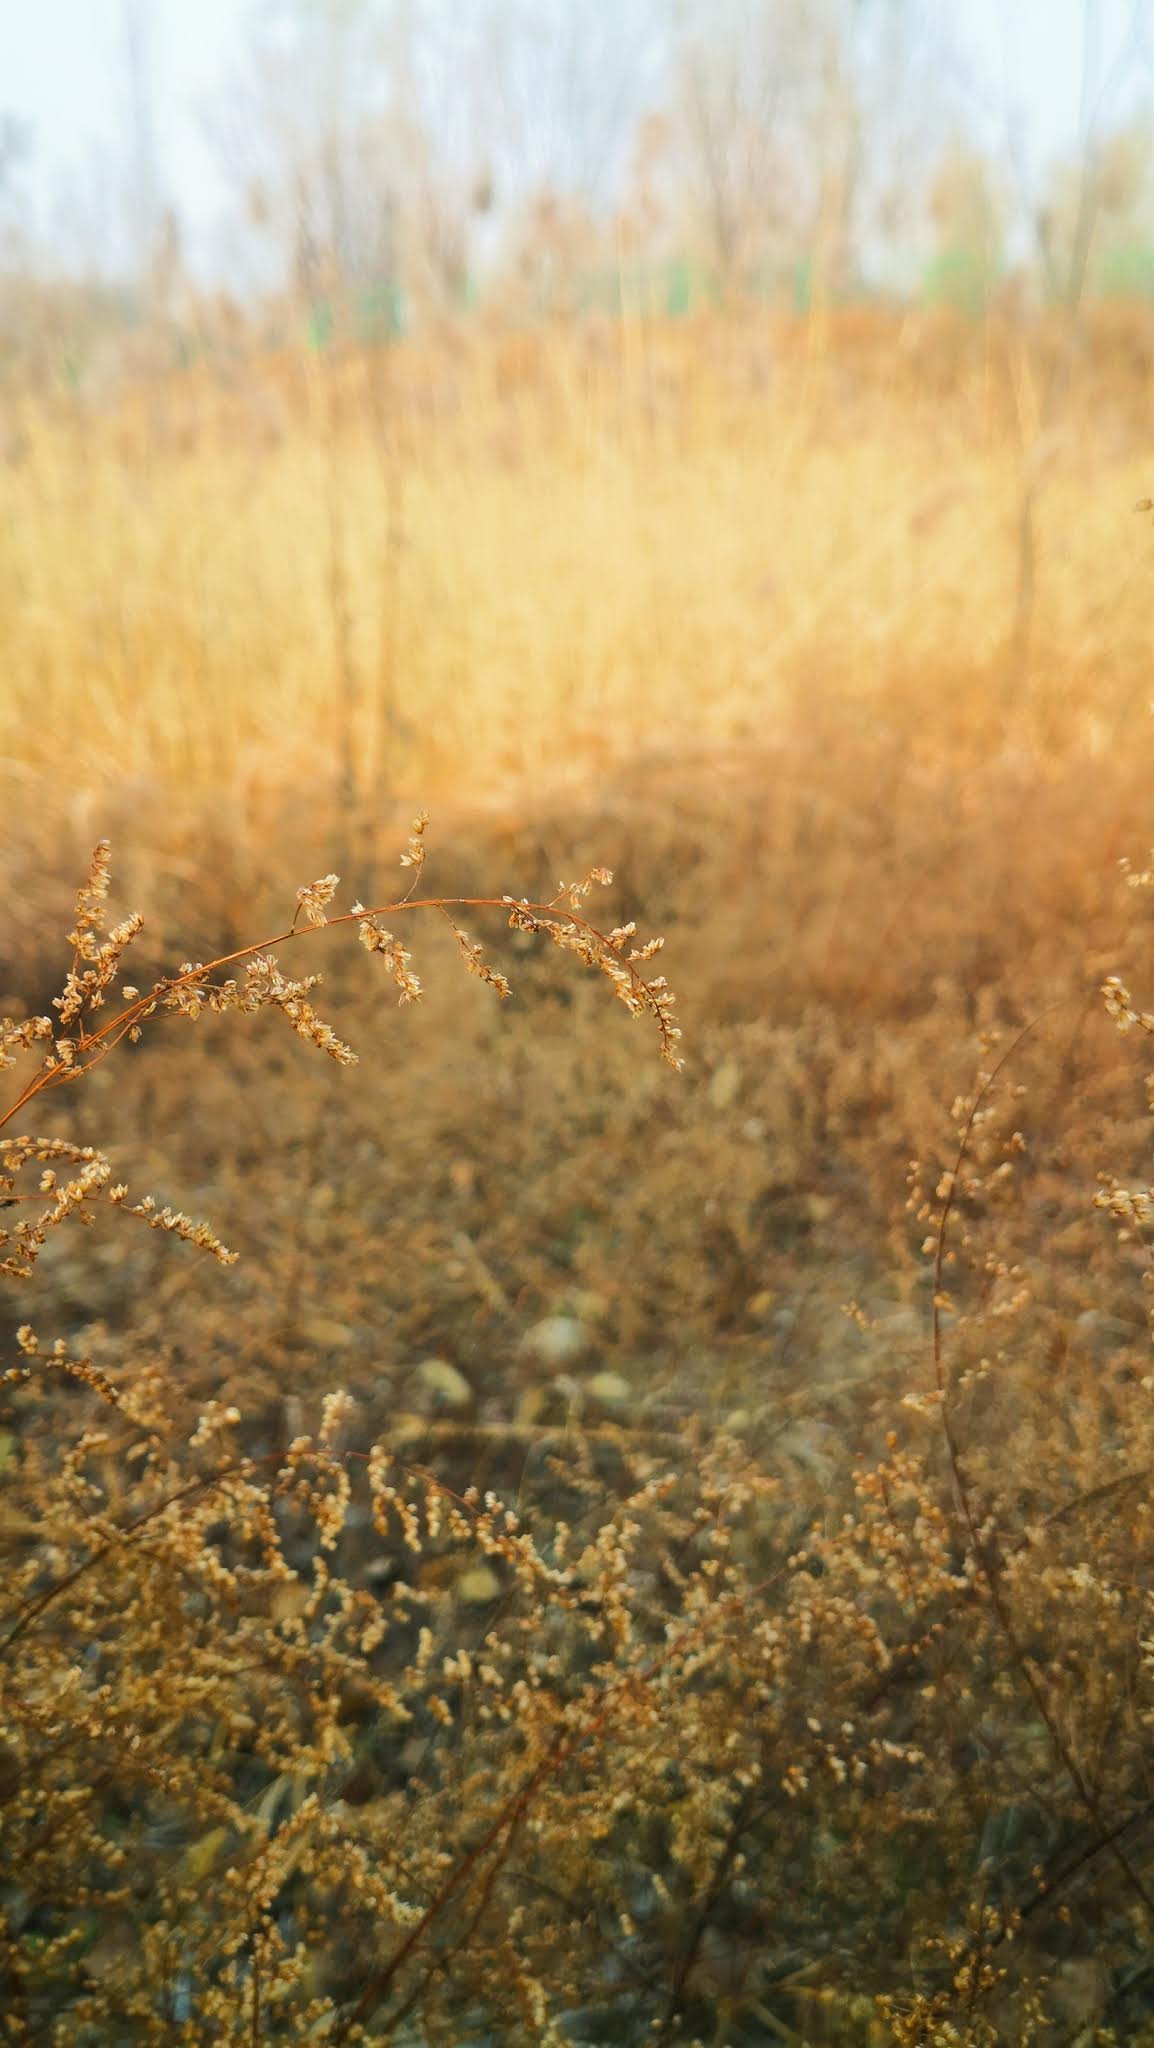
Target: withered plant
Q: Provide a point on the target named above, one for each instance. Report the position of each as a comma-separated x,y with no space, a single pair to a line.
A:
683,1743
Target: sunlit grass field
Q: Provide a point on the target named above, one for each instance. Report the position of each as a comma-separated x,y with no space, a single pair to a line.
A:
515,563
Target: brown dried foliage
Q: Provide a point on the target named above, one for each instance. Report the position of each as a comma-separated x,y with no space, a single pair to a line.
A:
683,1736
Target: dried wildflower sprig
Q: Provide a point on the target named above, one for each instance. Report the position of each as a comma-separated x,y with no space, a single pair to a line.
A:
16,1038
606,952
1118,1000
313,900
61,1358
199,986
1131,1209
375,939
473,956
415,852
76,1197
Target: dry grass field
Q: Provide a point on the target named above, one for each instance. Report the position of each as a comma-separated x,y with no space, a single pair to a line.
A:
794,1683
539,554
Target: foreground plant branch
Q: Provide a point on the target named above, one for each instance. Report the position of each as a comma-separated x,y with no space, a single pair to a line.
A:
77,1040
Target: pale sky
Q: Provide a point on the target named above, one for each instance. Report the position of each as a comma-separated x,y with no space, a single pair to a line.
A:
63,73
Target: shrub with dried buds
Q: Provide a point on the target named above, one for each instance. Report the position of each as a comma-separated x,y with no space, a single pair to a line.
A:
679,1742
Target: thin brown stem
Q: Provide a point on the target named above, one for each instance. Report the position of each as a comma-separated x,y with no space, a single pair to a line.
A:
93,1047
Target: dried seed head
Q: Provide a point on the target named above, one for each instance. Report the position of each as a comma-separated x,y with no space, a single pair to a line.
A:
314,899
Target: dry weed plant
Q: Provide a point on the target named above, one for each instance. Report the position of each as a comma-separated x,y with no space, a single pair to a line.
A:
312,1743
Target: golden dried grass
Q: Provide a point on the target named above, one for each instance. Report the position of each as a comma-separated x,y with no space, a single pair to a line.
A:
206,596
